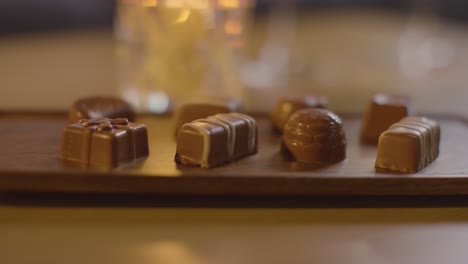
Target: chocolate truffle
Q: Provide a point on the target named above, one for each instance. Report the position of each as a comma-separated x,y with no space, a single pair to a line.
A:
315,135
99,107
216,140
104,142
409,145
287,105
202,108
382,111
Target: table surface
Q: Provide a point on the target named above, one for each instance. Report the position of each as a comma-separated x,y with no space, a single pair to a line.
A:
83,234
123,229
264,174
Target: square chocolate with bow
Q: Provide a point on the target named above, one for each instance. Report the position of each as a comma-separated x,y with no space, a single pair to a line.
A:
104,142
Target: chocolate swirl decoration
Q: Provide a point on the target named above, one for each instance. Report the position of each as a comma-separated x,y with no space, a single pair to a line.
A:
105,124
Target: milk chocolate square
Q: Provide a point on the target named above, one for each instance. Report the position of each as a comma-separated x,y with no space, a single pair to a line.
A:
110,148
75,142
382,111
104,142
138,136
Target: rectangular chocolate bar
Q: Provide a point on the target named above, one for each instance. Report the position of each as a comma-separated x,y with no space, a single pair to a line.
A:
400,149
216,140
434,128
104,142
243,133
203,143
396,152
426,136
202,108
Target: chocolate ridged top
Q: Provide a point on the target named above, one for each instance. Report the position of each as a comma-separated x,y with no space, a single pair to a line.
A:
204,107
288,105
315,135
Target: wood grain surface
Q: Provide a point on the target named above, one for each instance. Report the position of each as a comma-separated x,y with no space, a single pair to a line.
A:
29,162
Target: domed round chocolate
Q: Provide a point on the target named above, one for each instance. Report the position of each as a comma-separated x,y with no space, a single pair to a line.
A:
315,135
287,105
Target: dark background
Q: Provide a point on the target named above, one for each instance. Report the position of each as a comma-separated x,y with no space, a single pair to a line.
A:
21,16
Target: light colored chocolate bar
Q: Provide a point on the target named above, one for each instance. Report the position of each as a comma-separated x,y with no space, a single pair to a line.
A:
425,134
215,140
401,149
202,108
435,130
409,145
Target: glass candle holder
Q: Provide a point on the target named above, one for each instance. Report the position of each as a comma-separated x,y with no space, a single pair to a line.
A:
170,51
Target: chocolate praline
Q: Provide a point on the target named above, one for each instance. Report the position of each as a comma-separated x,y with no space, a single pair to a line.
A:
383,111
287,105
104,142
100,107
315,136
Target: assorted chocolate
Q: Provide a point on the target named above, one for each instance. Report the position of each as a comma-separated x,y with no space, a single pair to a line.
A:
382,111
210,133
99,107
205,107
315,136
288,105
104,142
216,140
409,145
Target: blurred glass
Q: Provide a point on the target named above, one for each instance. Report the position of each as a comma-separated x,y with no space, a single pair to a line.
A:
178,49
421,48
348,54
185,49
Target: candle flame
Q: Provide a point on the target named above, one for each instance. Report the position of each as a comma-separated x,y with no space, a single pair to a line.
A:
184,15
150,3
229,3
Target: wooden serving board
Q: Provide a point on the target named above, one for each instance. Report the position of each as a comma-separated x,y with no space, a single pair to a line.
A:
29,162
